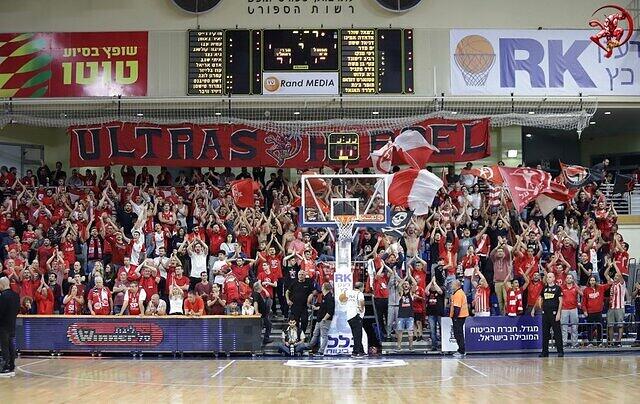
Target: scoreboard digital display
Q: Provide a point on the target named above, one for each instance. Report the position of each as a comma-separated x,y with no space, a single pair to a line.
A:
368,61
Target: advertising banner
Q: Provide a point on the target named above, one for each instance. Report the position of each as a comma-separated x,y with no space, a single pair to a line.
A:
300,83
73,64
124,333
540,62
503,333
229,145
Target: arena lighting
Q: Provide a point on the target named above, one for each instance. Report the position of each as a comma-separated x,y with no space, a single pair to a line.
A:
375,113
531,113
454,113
296,113
607,112
528,135
139,114
218,113
512,153
592,123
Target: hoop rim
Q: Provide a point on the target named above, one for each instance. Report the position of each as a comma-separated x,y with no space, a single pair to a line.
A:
345,220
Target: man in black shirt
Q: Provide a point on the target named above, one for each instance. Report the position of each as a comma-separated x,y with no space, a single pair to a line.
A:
298,298
9,308
551,301
260,306
325,313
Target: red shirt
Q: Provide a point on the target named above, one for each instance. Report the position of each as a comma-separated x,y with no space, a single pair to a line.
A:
180,282
231,290
118,250
275,262
593,298
381,287
513,304
132,275
469,262
240,272
44,253
150,286
418,301
533,292
72,308
264,277
215,240
622,261
569,297
28,288
247,243
68,251
197,305
134,304
481,302
45,303
526,264
98,299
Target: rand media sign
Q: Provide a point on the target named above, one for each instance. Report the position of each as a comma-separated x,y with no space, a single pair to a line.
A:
300,83
540,62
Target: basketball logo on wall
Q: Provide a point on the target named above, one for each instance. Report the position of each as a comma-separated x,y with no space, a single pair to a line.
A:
475,57
196,6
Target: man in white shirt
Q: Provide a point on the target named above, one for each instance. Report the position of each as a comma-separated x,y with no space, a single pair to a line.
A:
354,300
198,251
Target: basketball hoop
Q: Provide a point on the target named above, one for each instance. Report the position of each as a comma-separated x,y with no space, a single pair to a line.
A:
345,226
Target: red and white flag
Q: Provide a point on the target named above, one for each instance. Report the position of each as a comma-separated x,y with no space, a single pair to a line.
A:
414,189
381,158
242,192
525,184
555,196
415,149
491,174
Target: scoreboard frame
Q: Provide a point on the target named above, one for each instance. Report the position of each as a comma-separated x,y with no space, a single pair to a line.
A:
255,76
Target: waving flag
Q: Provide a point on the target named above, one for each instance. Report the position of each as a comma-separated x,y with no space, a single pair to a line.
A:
242,192
414,148
623,184
575,176
399,222
414,189
491,174
555,196
525,184
381,158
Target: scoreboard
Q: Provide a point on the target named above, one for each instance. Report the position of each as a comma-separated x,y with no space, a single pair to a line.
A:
367,61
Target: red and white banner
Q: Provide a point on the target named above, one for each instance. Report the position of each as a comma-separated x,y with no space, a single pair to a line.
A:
242,191
381,159
414,189
555,196
229,145
525,184
73,64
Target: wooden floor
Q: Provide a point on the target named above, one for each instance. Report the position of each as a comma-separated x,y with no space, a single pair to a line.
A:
390,380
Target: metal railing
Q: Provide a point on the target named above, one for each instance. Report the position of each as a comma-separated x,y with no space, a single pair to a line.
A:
625,204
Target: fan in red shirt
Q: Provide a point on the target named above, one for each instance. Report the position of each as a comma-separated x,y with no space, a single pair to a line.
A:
247,241
534,288
133,273
621,257
149,281
44,253
267,279
73,302
99,299
44,299
418,304
216,236
481,303
592,305
118,248
133,300
178,279
193,305
570,292
418,273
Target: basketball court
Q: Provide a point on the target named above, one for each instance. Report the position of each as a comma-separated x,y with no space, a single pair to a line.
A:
480,379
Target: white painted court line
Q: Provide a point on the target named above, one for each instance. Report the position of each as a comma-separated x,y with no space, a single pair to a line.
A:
472,368
223,368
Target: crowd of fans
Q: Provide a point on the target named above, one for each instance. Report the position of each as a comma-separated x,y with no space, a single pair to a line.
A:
140,244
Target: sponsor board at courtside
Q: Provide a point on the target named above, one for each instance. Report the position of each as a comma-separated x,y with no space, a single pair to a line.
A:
300,83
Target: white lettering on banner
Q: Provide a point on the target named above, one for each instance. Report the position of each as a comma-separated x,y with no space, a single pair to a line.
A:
300,83
540,62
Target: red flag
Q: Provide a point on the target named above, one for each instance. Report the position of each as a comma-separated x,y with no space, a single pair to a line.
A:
555,196
381,158
415,149
242,191
525,184
414,189
575,176
491,174
310,202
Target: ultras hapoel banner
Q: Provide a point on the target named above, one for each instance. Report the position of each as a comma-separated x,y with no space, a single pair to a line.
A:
229,145
73,64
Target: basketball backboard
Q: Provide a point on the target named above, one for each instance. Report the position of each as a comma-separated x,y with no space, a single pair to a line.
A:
326,196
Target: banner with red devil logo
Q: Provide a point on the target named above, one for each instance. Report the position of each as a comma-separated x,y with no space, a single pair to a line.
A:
228,145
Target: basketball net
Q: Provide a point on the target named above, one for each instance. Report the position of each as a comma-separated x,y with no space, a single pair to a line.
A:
472,78
345,226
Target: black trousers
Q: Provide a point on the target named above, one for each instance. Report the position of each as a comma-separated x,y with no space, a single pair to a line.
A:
595,318
458,332
356,331
301,315
8,349
548,323
382,307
